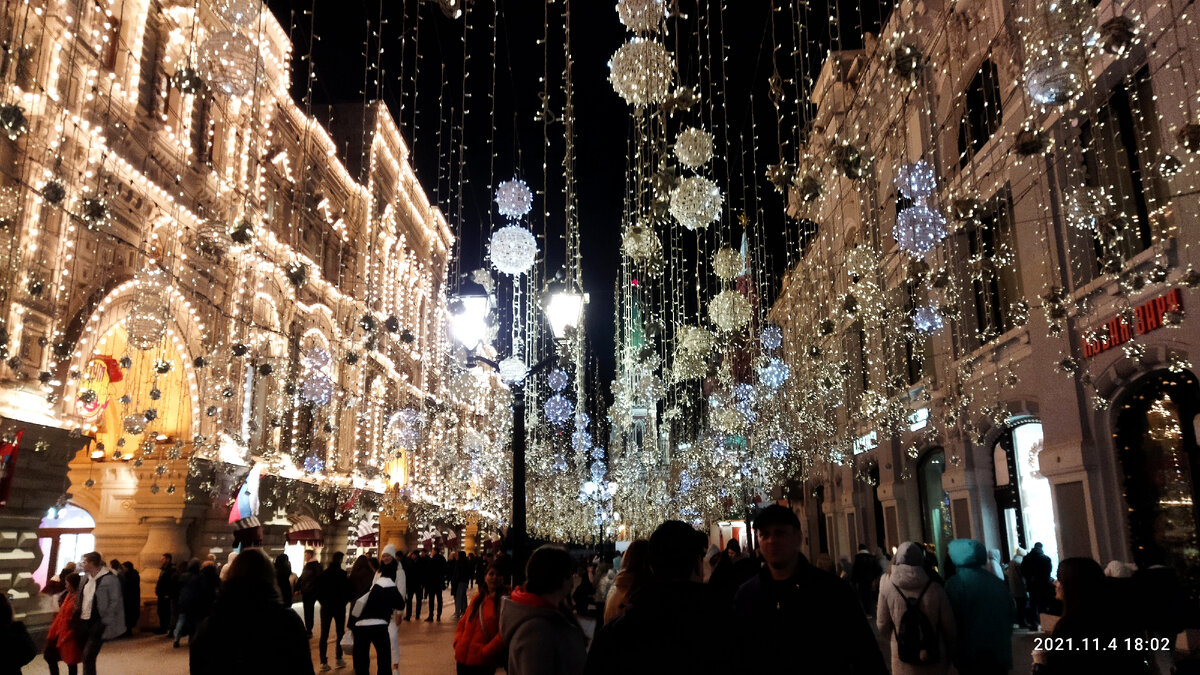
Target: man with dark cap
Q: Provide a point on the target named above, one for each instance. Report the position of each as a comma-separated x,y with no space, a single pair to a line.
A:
800,617
673,622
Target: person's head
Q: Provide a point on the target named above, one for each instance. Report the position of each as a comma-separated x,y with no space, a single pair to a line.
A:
550,573
335,561
863,548
115,565
910,553
211,557
676,552
309,555
779,540
72,582
92,563
388,555
493,579
387,569
166,559
251,577
283,564
127,566
1038,547
1117,569
636,560
733,547
1080,584
68,569
413,555
194,566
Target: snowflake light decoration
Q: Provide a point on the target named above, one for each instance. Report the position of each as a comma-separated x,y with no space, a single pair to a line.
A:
558,379
513,249
313,465
916,181
694,147
409,416
727,263
640,72
229,62
1087,207
558,409
774,373
513,370
729,310
581,440
642,16
772,337
918,229
778,448
513,198
927,319
696,202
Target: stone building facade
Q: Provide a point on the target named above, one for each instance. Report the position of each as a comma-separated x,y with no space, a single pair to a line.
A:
194,282
1029,378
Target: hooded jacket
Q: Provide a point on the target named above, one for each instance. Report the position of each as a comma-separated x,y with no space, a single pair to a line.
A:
541,639
984,608
477,638
906,579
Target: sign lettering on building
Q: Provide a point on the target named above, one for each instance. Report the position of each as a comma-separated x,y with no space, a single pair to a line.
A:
1149,317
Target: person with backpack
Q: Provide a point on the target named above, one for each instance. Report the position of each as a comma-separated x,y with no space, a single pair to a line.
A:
916,612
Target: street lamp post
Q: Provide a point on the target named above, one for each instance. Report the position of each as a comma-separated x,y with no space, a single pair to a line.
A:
563,305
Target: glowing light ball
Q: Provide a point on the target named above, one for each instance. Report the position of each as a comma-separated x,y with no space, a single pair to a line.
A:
513,370
558,409
1087,207
916,180
640,71
134,425
409,416
1052,79
918,229
513,249
694,147
694,339
730,310
772,337
316,388
642,16
581,440
774,373
514,198
640,243
727,263
229,63
313,465
558,379
237,12
927,319
778,448
696,202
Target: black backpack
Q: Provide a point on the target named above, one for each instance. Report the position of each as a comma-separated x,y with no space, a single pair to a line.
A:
916,639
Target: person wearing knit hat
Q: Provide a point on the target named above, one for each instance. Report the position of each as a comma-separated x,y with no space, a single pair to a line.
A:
388,553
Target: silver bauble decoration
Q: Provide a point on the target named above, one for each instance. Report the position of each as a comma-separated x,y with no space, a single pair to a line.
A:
730,310
640,72
918,229
513,370
694,147
239,13
696,202
513,249
513,198
642,16
728,263
147,321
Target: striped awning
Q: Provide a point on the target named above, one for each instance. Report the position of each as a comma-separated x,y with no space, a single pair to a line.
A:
305,530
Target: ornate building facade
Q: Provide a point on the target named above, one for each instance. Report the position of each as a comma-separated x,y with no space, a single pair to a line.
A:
987,322
199,276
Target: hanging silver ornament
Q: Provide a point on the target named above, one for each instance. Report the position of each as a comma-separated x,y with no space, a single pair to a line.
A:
513,250
642,16
727,263
147,321
641,71
513,198
513,370
229,62
694,147
916,180
696,202
239,13
730,310
919,229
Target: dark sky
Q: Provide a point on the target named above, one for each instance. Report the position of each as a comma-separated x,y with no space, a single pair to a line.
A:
420,75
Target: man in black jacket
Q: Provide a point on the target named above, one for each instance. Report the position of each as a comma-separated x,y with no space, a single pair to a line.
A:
333,592
798,615
164,591
435,582
412,575
307,585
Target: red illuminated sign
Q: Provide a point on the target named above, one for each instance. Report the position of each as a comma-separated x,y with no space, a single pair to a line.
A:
1149,317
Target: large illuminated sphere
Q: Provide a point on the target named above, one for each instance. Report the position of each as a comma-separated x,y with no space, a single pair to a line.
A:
927,319
240,13
694,147
558,379
1054,80
147,322
641,16
1087,207
513,249
918,229
778,448
229,63
134,424
640,72
513,370
696,202
640,243
730,310
860,262
772,337
727,263
513,198
558,409
774,373
409,416
916,180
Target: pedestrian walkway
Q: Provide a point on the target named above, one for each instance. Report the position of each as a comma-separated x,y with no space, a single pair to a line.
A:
425,649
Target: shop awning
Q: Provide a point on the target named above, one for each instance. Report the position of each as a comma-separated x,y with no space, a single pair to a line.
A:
305,530
367,533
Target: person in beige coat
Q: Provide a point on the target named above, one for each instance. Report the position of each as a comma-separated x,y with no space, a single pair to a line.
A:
907,578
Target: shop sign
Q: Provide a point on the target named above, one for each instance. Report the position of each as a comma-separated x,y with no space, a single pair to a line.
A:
866,443
1149,317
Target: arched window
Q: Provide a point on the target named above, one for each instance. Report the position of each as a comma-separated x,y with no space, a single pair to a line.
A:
982,112
64,535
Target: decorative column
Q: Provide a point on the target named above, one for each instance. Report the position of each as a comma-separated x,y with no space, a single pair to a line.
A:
471,533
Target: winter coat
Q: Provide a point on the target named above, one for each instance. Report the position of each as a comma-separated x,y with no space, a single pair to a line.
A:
245,636
617,600
435,572
542,640
62,633
16,648
165,586
131,592
911,581
1037,568
983,608
813,618
670,627
477,639
383,599
333,589
307,584
107,604
1016,582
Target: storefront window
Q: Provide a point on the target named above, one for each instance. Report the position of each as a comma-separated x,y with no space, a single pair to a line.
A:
1036,506
935,503
64,535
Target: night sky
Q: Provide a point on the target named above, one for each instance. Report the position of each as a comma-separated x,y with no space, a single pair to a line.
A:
420,75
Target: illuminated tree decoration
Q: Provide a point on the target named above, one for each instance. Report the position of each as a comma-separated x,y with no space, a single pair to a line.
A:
229,62
916,180
927,319
558,409
513,198
147,321
696,202
694,147
640,71
513,370
513,249
918,229
727,263
558,379
239,13
774,373
641,16
730,310
772,337
1086,208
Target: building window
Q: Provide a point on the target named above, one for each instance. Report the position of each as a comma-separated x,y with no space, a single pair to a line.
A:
64,535
982,113
1117,146
148,88
993,267
1023,495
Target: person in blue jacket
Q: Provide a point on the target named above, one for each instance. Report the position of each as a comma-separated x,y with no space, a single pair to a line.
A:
985,611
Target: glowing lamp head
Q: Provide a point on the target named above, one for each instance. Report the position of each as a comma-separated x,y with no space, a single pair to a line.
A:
563,304
468,315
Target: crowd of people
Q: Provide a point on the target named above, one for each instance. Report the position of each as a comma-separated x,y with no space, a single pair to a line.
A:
670,603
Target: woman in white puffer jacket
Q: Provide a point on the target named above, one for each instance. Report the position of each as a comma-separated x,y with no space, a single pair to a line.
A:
907,578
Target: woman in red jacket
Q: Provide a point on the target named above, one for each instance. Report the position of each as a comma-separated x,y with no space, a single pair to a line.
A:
478,647
62,642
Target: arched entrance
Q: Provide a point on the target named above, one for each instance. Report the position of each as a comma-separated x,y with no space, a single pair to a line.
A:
1023,494
1155,434
935,503
64,535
